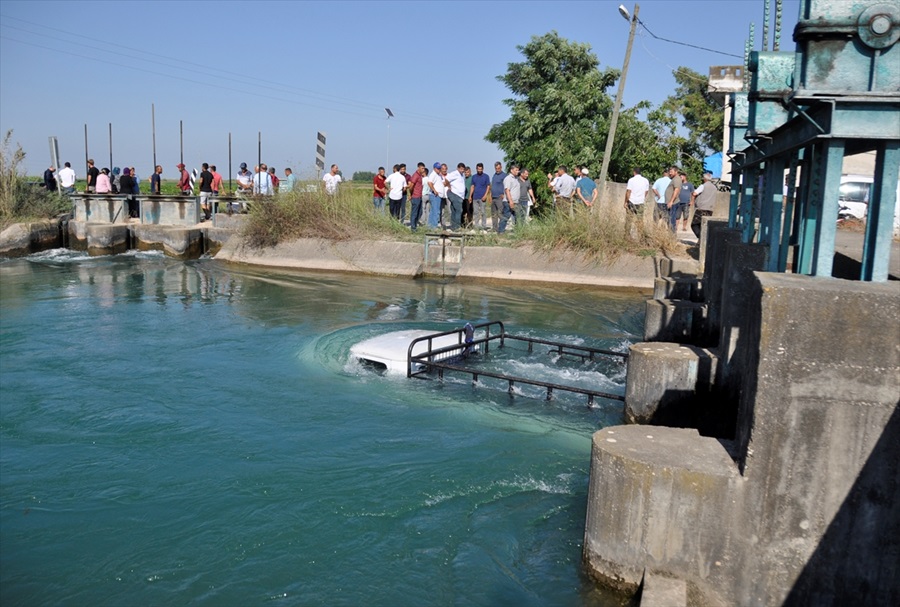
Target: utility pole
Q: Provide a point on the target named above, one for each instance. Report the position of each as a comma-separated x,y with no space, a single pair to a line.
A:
610,137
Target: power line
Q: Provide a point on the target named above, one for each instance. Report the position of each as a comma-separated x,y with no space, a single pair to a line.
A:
180,64
702,48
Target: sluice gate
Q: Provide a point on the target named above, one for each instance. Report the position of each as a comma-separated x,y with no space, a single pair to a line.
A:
479,338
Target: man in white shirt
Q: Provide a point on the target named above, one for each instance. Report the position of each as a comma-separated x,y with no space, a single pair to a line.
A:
331,180
659,193
456,184
438,191
67,179
636,192
563,187
262,182
396,185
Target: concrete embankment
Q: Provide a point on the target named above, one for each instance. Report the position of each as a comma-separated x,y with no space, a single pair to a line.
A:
483,263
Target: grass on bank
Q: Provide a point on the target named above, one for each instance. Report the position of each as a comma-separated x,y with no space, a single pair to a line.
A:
20,199
350,216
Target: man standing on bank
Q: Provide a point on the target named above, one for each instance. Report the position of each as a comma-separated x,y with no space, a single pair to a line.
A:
480,193
704,200
206,179
497,195
456,193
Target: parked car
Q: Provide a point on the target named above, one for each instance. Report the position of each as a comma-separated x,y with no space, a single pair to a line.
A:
853,197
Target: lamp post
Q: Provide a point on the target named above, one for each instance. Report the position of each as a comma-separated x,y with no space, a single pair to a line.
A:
390,114
615,115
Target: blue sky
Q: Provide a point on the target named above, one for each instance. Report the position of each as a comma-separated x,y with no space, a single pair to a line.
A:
289,69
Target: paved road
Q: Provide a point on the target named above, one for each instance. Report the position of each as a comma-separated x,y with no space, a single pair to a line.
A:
850,244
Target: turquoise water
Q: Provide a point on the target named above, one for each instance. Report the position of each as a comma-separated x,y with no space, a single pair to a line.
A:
195,433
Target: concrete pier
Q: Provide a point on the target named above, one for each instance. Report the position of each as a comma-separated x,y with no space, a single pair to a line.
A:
803,506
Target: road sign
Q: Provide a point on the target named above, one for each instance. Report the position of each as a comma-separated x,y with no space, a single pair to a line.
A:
320,151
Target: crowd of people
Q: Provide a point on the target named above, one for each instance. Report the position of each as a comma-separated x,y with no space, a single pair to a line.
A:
674,195
458,199
461,199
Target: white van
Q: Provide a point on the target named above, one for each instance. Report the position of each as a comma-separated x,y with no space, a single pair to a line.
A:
853,199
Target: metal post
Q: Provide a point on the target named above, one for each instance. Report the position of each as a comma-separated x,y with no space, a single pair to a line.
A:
153,129
610,137
833,159
110,148
882,201
86,157
230,189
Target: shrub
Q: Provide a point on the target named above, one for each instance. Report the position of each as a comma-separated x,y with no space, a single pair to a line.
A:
21,200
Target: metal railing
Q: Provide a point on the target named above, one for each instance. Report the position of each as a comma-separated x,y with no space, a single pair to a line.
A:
445,358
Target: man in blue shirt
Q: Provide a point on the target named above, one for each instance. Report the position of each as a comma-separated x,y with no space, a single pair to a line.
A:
586,189
479,194
497,195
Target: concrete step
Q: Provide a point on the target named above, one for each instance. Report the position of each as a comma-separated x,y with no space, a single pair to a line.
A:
664,380
675,268
689,288
677,320
658,591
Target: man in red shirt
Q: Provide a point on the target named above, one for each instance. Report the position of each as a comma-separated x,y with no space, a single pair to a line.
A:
379,191
184,181
415,196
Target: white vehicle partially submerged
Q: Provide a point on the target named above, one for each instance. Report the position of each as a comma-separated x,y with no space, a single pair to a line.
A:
391,350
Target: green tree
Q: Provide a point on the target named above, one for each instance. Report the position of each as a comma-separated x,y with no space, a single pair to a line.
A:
700,114
560,109
363,176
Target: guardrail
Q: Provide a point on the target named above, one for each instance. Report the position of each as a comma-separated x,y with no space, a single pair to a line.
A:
444,358
153,209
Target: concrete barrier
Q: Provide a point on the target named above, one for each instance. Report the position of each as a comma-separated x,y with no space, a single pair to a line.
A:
666,383
177,242
804,506
106,239
21,239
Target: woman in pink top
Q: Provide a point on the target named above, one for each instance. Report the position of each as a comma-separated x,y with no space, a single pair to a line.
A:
103,184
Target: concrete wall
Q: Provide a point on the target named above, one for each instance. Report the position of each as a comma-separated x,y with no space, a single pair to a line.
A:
804,507
21,239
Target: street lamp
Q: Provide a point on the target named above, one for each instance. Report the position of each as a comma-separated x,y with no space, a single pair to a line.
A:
615,115
390,115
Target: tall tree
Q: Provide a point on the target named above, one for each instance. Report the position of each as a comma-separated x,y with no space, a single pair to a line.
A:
560,109
701,115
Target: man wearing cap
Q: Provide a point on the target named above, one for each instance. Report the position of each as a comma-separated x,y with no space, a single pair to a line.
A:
704,201
184,181
586,189
92,174
156,180
563,188
332,180
438,191
456,184
244,180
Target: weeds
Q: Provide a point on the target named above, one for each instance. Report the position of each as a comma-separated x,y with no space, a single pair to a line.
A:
21,200
598,235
